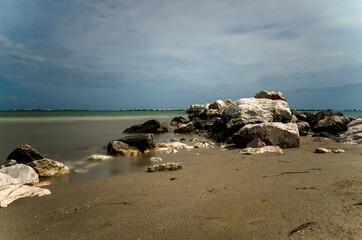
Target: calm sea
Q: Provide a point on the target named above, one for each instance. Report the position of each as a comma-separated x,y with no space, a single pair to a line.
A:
71,137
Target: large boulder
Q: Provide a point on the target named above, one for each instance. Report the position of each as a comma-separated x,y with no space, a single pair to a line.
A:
150,126
273,95
332,124
24,154
255,110
46,167
353,135
140,141
116,147
284,135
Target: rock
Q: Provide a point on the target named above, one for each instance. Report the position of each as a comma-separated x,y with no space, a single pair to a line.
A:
170,166
20,174
273,95
173,145
185,128
198,110
178,120
201,145
256,143
116,147
218,105
322,150
46,167
10,193
97,157
155,159
332,124
285,135
339,151
265,149
140,141
353,135
9,163
255,110
303,128
151,126
25,154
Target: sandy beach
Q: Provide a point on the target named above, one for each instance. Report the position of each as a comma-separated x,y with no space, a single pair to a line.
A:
218,195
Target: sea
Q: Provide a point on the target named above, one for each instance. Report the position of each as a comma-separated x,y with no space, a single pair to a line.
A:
72,136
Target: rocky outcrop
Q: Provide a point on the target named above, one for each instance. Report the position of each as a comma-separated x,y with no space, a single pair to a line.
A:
46,167
151,126
274,134
255,110
353,135
25,154
332,124
12,184
116,148
273,95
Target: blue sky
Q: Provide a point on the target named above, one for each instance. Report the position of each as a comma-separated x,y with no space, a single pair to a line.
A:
113,54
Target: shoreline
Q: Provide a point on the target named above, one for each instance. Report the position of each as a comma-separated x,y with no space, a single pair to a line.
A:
218,194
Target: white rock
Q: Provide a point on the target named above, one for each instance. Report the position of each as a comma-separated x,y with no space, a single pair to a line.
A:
339,151
322,150
156,159
265,149
97,157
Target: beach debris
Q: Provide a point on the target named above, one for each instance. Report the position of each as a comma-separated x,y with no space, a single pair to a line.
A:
301,227
14,184
170,166
156,159
306,188
46,167
266,149
287,173
97,157
116,147
339,151
322,150
150,126
24,153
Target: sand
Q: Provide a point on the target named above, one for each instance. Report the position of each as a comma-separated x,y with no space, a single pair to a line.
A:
218,195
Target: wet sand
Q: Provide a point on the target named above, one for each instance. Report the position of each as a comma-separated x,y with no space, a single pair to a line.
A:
218,195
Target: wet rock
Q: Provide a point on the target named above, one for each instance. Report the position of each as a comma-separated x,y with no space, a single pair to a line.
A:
170,166
322,150
24,154
47,167
151,126
274,134
273,95
116,147
140,141
265,149
178,120
339,151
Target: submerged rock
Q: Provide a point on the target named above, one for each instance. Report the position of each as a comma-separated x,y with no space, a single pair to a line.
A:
151,126
170,166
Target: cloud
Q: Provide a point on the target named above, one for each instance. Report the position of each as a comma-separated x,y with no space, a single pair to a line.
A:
212,49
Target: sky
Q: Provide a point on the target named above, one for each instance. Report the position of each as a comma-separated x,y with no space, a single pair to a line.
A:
116,54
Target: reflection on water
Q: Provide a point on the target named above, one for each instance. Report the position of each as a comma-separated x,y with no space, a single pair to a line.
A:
72,140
